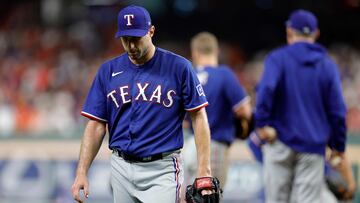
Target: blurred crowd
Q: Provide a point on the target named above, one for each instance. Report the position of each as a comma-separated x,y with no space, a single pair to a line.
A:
43,78
45,73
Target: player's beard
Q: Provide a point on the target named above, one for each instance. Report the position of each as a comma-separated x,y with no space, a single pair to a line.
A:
134,54
139,55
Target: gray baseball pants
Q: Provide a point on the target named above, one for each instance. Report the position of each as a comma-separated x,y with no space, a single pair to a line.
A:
292,176
156,181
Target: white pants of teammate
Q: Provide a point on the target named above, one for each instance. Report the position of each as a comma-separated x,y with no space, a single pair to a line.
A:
292,176
157,181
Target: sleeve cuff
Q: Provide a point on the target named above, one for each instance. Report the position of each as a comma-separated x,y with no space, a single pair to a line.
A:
197,108
92,117
338,148
247,98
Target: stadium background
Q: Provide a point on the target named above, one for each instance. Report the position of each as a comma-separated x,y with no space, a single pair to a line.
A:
51,49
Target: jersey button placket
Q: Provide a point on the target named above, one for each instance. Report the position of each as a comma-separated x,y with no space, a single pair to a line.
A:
135,103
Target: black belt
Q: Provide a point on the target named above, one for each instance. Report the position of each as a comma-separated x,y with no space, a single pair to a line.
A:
132,158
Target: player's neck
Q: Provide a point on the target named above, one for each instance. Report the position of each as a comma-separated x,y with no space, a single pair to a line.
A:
210,61
295,39
150,53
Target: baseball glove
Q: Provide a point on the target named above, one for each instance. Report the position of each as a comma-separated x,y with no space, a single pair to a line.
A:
193,192
337,184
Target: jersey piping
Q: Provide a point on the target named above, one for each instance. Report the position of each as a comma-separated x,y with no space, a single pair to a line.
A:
247,98
198,107
92,117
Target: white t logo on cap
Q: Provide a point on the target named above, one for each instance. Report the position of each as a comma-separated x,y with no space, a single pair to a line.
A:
128,17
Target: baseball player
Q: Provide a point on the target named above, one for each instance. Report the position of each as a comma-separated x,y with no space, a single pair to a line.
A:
140,98
227,98
300,97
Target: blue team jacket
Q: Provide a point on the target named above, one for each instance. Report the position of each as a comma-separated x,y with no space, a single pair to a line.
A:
300,96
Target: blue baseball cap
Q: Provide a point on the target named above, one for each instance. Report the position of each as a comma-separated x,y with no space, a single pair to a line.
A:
133,21
302,21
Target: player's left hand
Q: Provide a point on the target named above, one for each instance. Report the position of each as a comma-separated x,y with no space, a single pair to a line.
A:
206,192
336,159
338,185
80,183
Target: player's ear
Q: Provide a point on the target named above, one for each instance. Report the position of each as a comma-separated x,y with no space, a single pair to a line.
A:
317,34
289,35
152,31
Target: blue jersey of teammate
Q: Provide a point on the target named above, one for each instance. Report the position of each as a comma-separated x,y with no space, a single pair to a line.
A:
224,94
139,103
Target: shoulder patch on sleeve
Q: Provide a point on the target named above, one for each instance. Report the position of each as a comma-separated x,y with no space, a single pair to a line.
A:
200,90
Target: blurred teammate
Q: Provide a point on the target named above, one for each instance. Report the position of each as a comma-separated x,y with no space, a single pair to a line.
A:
227,100
141,98
300,96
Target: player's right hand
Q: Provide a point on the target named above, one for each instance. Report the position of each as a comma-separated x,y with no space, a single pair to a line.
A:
80,183
267,133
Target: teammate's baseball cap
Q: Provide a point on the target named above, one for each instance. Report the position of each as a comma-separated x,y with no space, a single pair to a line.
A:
133,21
302,21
